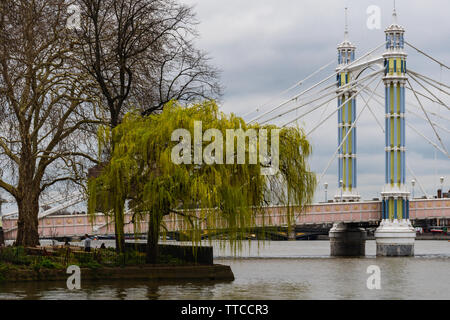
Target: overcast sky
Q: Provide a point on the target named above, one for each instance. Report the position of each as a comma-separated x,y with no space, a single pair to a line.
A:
265,46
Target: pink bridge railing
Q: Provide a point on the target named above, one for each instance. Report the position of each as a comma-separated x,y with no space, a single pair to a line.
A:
78,225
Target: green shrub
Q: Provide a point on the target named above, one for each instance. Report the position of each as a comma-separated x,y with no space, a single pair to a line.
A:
91,265
45,263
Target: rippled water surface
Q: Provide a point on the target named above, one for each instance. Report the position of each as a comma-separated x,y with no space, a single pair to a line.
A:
280,270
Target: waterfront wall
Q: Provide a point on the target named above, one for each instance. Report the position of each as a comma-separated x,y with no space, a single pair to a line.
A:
145,272
201,255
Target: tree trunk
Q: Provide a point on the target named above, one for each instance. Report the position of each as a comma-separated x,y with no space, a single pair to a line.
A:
119,231
27,232
154,223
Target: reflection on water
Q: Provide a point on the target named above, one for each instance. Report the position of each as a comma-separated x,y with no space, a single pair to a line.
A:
280,270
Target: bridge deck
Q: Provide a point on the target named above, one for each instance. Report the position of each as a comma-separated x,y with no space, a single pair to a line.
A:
326,213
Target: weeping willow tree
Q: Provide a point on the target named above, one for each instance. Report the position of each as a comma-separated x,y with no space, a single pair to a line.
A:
177,163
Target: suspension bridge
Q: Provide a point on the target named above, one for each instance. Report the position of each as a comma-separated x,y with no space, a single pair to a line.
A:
405,91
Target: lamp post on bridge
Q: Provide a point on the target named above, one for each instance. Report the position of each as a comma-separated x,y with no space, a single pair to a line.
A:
413,183
441,179
326,189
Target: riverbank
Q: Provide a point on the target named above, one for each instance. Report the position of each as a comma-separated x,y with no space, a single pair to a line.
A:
50,264
214,272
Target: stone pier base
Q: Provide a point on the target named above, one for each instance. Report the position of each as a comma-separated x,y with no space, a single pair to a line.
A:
347,241
395,239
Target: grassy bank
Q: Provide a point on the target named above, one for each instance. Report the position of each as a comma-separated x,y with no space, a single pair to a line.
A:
50,264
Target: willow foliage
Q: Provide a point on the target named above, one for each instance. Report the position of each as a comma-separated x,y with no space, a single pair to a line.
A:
142,173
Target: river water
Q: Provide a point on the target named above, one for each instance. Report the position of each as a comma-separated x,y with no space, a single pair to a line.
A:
280,270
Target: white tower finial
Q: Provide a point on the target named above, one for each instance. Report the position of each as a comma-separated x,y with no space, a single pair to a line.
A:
394,15
346,25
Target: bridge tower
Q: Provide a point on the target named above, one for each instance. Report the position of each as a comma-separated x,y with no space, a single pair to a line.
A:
346,239
395,236
347,173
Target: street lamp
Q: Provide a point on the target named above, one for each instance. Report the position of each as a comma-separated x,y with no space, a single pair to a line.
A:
326,189
441,179
413,183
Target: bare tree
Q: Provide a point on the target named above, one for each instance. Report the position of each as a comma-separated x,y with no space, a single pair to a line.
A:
140,55
43,117
181,72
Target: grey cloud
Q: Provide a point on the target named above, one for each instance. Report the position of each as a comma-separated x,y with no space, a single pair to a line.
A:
263,47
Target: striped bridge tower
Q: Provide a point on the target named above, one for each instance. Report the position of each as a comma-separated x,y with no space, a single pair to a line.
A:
347,172
395,236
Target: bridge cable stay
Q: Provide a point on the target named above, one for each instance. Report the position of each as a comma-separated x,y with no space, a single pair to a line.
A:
439,100
418,116
317,84
411,112
346,88
429,140
348,132
296,97
418,132
355,83
424,78
421,94
382,129
371,111
50,202
426,97
426,55
299,83
416,106
344,139
417,179
323,113
74,200
304,104
428,118
434,123
336,110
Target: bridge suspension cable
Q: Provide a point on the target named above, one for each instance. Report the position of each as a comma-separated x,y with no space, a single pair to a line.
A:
304,104
346,88
424,78
428,118
417,131
409,111
427,55
292,87
382,129
439,100
317,84
417,179
371,111
337,109
409,104
348,132
429,140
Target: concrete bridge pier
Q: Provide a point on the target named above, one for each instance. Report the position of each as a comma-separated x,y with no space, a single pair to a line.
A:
347,240
395,238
